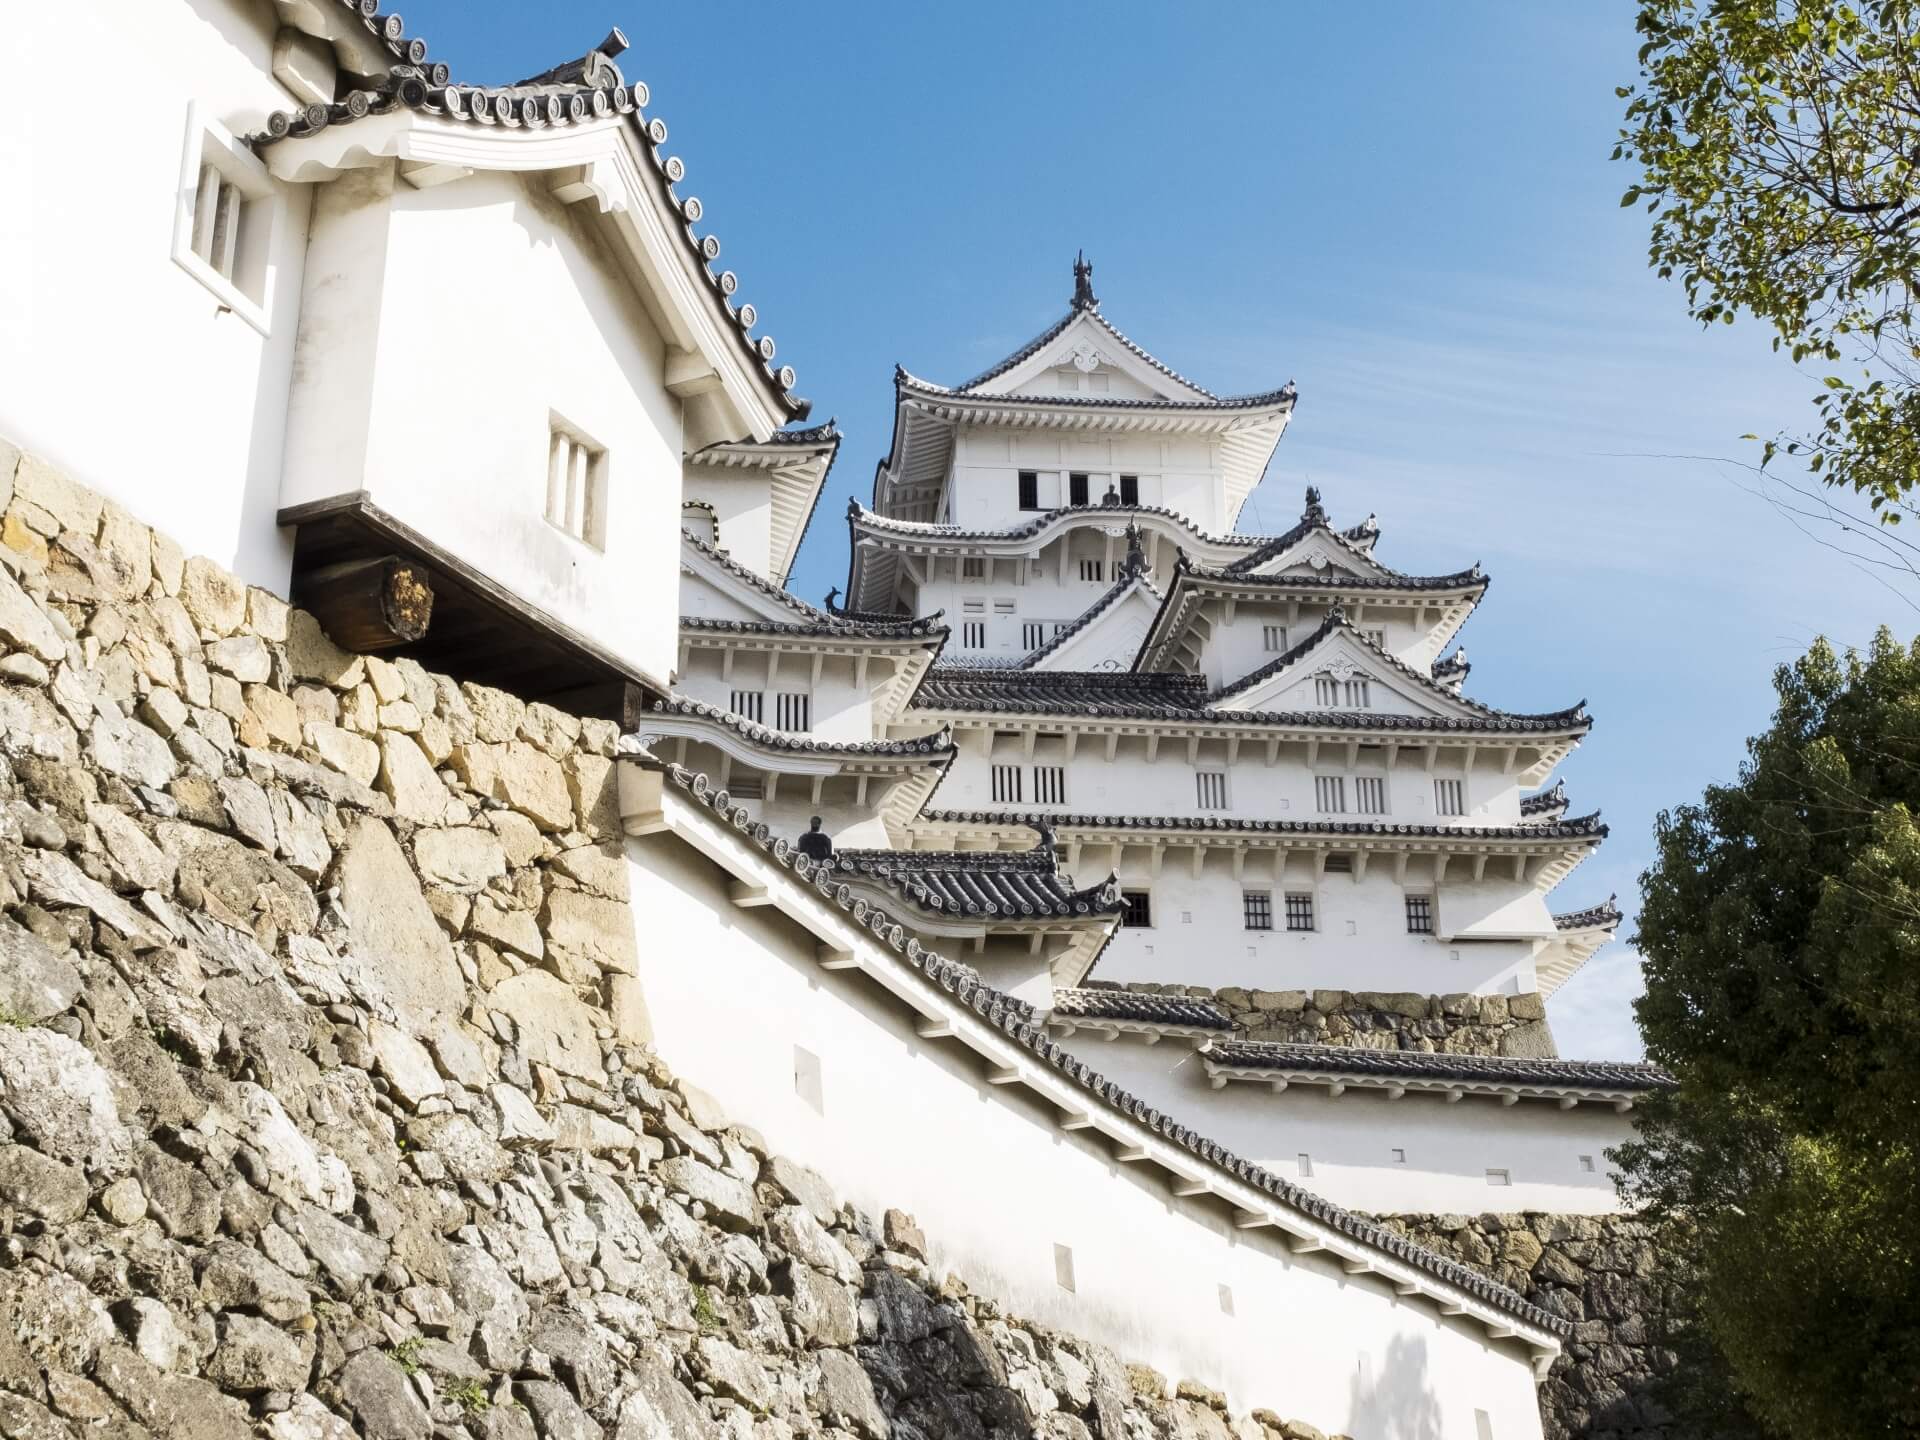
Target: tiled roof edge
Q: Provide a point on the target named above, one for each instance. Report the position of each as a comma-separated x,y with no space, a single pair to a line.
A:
938,744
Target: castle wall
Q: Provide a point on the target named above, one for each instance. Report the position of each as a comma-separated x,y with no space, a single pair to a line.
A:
1182,474
117,365
326,1100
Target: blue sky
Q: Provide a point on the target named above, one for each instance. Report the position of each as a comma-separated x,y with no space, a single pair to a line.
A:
1408,210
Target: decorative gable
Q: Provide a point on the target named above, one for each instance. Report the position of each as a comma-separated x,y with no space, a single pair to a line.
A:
1337,671
1086,357
1109,640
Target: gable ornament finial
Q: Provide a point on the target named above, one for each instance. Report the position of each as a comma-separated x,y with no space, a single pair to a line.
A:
1083,296
1136,561
1315,513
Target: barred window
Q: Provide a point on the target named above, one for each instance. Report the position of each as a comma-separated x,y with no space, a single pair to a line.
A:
1129,489
1378,637
749,705
1326,690
973,635
1029,490
1330,794
1033,634
1006,784
1139,912
1050,784
1274,637
576,485
793,712
1076,487
1370,794
1256,907
1450,797
1210,787
1359,694
1419,914
1299,911
973,567
1094,570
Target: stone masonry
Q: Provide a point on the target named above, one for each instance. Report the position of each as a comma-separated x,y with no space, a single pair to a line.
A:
326,1106
1514,1025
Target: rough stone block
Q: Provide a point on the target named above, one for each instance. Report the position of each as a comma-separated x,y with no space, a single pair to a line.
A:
398,947
597,930
74,506
348,753
312,656
555,1028
215,600
461,859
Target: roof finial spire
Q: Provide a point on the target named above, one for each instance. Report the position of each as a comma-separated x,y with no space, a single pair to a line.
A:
1083,296
1136,561
1315,513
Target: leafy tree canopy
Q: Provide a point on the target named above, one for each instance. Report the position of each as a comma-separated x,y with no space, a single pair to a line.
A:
1779,144
1780,926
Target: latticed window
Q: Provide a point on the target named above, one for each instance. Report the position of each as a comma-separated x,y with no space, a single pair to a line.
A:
1274,638
973,635
1450,797
1256,907
1210,789
1050,784
1326,690
1359,695
793,712
750,705
973,567
577,486
1370,794
1330,794
1378,637
1139,912
1299,911
1033,634
1094,570
1419,914
1006,784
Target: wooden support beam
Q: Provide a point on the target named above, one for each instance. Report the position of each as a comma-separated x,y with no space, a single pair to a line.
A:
928,1029
1304,1245
833,958
749,897
1076,1120
1130,1154
1249,1220
1002,1075
368,605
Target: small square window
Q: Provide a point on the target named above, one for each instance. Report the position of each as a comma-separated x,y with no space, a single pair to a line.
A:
1257,909
1139,912
1399,1156
1499,1177
576,484
1299,911
973,567
1419,914
223,219
1306,1165
1586,1163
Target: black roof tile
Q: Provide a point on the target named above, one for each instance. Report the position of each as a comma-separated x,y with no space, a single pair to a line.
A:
1606,914
937,744
1097,1002
1020,884
809,619
1584,827
1426,1065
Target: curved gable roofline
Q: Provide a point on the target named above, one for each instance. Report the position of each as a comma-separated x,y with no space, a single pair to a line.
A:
1091,312
812,617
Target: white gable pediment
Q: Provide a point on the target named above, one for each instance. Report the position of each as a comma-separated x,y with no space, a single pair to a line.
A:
1110,641
1342,673
1087,354
712,591
1319,557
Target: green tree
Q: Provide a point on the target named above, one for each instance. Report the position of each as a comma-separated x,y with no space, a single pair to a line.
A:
1779,144
1780,925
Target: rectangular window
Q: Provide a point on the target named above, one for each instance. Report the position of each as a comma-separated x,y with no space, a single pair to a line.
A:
1063,1267
223,219
793,712
1029,489
1399,1156
1326,690
1370,794
1586,1163
1139,912
1006,784
1256,908
1330,794
1340,865
1094,570
1129,489
1305,1163
1076,487
806,1080
750,705
1210,789
1050,784
1034,634
1003,607
1449,797
1274,638
973,567
576,485
1499,1177
1419,914
747,787
973,635
1378,637
1358,694
1299,911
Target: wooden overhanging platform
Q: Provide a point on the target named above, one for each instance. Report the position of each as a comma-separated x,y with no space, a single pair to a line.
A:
362,573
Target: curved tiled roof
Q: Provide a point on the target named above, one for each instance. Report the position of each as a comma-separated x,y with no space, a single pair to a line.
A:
812,620
1602,916
1430,1065
905,380
936,744
1016,1020
1083,304
1175,696
1131,571
1468,579
1450,665
1544,800
1584,827
1095,1002
557,98
856,512
1016,884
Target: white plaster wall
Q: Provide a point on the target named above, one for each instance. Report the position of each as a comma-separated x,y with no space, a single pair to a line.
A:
1180,473
841,709
1199,934
1351,1139
115,363
743,506
497,309
1131,784
996,1185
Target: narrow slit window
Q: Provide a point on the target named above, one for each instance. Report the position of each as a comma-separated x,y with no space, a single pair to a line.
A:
1299,911
1499,1178
1063,1267
1006,784
806,1080
1305,1162
749,705
747,787
793,712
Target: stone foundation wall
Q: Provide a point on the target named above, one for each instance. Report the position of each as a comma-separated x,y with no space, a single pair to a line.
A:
1383,1020
1600,1272
325,1103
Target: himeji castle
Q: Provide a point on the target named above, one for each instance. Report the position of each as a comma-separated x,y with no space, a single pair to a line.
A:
1165,780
